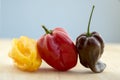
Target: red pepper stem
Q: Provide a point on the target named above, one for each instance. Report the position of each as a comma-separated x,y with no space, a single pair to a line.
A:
46,30
88,30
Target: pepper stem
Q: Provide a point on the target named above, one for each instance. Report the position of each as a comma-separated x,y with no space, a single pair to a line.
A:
46,30
88,30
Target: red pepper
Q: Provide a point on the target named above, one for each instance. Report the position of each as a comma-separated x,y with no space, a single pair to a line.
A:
57,49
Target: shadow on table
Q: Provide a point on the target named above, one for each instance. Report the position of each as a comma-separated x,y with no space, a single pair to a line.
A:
52,73
51,70
47,70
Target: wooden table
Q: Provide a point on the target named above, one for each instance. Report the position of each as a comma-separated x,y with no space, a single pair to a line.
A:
111,57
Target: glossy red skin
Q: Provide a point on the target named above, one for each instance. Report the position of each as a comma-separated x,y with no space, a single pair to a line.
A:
58,50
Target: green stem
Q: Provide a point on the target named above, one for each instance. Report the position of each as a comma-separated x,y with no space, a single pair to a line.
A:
88,30
46,30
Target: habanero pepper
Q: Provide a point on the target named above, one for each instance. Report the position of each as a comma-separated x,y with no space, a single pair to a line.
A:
90,47
24,54
57,49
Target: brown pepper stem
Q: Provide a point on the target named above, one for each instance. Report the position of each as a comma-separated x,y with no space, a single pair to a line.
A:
88,30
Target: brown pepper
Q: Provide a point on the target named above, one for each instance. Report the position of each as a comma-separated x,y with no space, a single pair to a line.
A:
90,47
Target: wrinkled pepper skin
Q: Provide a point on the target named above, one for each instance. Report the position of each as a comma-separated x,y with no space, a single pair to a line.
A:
90,50
57,49
24,54
90,47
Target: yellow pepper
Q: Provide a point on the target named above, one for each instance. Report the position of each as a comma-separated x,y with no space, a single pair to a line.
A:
24,53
